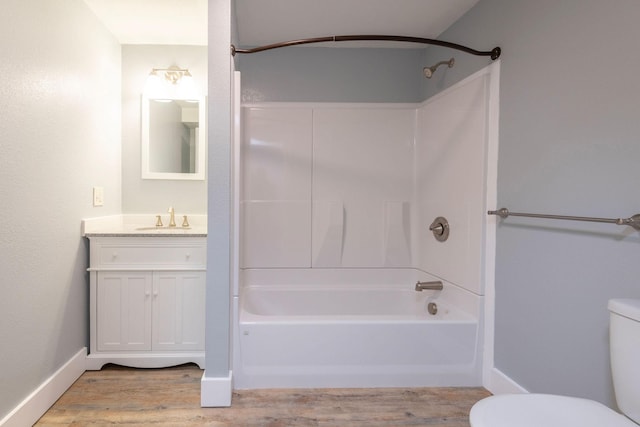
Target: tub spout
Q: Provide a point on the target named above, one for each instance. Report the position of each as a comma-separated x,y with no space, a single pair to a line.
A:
431,286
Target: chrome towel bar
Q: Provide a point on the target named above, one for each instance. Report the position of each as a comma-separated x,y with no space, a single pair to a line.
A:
633,221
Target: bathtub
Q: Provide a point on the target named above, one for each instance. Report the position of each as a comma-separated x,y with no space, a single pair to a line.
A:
353,328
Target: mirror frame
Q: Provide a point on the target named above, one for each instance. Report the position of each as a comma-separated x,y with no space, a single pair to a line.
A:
200,147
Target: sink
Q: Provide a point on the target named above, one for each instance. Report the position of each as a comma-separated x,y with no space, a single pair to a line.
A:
162,228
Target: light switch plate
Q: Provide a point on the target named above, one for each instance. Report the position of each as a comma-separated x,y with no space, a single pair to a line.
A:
98,196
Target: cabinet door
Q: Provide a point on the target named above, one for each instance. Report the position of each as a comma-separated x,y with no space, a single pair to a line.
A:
123,311
178,310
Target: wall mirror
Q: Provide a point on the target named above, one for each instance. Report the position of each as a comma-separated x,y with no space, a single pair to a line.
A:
173,138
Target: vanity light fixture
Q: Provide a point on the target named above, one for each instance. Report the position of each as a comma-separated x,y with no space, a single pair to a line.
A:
171,83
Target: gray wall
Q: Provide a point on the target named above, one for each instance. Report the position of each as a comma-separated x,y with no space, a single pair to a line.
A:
569,144
324,74
151,195
218,303
59,136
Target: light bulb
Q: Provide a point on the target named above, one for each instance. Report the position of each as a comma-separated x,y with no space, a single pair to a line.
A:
187,88
154,86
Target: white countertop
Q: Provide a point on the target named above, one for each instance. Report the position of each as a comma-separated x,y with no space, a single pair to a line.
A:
142,225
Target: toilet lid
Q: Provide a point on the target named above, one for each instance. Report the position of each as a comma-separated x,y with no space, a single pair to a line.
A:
544,410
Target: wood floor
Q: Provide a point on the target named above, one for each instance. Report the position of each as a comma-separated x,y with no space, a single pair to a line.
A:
171,397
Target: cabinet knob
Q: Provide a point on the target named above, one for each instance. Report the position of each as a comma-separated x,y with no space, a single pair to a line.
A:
188,255
114,255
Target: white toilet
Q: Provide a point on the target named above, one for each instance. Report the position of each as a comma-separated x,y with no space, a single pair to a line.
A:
545,410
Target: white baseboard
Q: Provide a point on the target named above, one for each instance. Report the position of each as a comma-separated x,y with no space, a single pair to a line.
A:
38,402
215,391
499,383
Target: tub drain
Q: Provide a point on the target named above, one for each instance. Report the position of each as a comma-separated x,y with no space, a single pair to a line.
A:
432,308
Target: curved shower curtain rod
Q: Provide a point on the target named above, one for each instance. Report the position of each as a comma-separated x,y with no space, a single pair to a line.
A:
493,53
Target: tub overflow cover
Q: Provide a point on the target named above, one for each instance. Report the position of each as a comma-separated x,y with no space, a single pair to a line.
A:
432,308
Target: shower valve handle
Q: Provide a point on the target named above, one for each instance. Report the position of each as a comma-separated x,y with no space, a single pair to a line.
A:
436,228
440,229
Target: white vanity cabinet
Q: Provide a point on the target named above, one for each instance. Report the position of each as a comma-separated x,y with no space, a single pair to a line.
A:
147,300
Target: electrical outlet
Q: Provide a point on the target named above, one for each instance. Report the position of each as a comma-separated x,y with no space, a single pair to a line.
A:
98,196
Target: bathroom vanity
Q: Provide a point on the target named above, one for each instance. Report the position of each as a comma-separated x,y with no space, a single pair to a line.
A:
146,296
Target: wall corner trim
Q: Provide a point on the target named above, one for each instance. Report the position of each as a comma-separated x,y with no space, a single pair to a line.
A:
215,392
40,400
499,383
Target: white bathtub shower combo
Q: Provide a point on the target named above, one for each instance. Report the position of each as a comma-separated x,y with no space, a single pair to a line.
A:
336,201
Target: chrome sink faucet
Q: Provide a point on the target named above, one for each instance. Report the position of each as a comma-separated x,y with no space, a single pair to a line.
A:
172,219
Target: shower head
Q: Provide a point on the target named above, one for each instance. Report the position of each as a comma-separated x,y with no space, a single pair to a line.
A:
428,71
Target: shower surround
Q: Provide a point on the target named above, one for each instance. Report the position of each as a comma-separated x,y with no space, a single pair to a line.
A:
340,197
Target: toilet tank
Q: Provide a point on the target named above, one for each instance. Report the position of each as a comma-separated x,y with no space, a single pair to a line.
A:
624,344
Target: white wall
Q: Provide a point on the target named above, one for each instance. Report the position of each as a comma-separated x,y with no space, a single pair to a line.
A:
450,165
327,185
362,165
276,165
357,185
59,137
145,195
